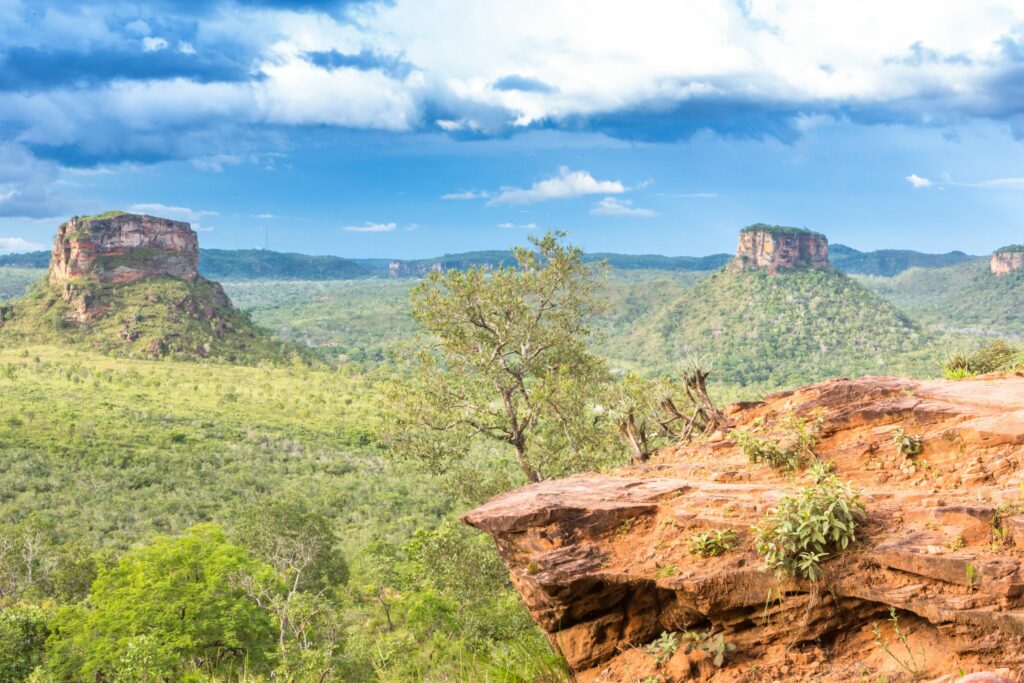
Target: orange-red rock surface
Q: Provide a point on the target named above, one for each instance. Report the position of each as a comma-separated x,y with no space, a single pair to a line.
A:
602,561
1006,262
124,248
775,250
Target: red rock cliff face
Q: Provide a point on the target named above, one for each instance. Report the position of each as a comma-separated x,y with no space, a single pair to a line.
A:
778,250
1006,262
124,248
603,561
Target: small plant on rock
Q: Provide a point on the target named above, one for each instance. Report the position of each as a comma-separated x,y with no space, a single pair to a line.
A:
713,542
663,648
907,445
716,647
907,661
789,446
804,529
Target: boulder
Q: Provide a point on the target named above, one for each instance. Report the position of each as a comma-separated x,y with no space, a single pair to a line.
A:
603,561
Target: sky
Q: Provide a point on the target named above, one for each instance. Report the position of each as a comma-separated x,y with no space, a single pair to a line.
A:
408,129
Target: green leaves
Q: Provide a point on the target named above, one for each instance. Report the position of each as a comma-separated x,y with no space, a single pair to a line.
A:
787,445
507,363
713,542
181,596
803,530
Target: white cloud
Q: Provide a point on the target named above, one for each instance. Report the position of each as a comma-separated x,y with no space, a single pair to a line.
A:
296,91
371,227
150,44
918,182
566,185
1002,184
164,211
266,216
698,195
467,194
12,245
612,206
521,226
138,27
186,48
8,194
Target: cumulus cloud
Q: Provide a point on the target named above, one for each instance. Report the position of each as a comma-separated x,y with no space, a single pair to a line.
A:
164,211
150,44
27,184
918,182
566,185
369,226
13,245
612,206
186,48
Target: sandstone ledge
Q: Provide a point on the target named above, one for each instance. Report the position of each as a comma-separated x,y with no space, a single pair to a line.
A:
602,560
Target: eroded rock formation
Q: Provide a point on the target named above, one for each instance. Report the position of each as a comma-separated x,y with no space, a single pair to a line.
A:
123,247
603,561
1007,260
774,248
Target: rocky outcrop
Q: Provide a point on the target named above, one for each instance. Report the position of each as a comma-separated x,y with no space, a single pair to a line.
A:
1007,260
123,247
603,561
775,248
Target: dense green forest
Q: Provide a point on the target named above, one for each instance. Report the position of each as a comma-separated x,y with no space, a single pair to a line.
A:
964,298
317,530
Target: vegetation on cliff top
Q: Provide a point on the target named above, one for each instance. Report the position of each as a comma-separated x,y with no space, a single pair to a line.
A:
106,215
780,230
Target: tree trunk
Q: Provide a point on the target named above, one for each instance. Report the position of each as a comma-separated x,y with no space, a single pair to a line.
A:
532,475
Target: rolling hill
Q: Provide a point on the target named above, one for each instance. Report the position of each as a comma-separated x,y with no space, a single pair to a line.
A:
783,329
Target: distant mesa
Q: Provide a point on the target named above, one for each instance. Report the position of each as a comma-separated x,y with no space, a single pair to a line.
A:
775,248
123,247
1007,260
129,284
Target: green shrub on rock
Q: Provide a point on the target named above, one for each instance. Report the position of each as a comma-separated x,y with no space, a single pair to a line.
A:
804,529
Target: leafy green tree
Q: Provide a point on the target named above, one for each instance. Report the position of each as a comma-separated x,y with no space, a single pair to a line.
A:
23,633
166,609
509,364
301,546
27,557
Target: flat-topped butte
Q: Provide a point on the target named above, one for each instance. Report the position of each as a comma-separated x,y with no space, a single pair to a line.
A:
775,248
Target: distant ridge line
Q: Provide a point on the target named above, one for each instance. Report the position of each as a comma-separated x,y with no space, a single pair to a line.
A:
228,264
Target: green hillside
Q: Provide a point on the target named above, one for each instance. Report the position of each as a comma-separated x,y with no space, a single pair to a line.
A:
783,330
243,264
889,262
150,318
965,298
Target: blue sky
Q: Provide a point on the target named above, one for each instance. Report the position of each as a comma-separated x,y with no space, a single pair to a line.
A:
411,129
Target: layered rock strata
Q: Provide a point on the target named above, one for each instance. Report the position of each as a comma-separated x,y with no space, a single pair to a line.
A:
603,561
1007,260
123,247
774,249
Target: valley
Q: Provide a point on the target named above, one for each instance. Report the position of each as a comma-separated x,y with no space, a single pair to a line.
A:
288,402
